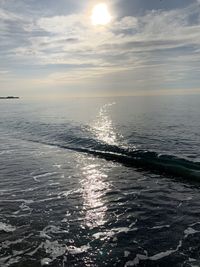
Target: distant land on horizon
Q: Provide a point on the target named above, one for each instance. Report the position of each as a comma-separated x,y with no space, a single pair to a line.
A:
9,97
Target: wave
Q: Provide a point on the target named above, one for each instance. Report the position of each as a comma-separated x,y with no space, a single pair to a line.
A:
79,138
152,161
141,159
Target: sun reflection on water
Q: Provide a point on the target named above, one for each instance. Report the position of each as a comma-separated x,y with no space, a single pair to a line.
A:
94,183
103,127
94,187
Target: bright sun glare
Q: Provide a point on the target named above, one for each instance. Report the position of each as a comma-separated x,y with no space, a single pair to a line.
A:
100,15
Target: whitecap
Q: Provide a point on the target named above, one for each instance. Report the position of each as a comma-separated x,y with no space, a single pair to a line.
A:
51,229
54,249
45,261
126,253
77,250
7,227
190,231
57,166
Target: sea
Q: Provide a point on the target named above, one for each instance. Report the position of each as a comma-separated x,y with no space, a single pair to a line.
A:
100,182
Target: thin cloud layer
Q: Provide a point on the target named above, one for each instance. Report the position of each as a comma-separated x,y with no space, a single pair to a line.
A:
151,50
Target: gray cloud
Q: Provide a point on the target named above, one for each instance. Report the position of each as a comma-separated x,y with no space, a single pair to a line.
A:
154,44
142,7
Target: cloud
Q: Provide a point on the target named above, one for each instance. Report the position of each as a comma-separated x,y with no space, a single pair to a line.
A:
158,48
142,7
8,16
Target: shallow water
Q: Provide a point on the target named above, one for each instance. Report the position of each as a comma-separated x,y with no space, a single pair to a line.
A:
100,182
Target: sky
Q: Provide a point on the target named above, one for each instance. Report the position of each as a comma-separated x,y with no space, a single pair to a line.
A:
51,48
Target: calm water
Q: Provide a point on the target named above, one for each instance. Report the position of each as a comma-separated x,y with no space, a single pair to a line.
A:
100,182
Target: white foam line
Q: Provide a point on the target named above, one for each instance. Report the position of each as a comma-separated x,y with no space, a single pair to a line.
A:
7,261
193,224
158,256
17,200
35,250
136,261
114,231
47,174
160,227
132,224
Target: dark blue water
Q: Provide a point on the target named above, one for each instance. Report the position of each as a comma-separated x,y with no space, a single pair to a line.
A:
100,182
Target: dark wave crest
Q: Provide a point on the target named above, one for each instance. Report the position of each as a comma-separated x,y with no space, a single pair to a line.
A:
79,138
150,161
144,160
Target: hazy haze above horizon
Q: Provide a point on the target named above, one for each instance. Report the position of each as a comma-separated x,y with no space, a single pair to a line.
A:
51,48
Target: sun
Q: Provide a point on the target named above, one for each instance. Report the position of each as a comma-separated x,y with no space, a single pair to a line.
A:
100,15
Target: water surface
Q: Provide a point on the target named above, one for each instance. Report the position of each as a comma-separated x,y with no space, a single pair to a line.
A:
100,182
